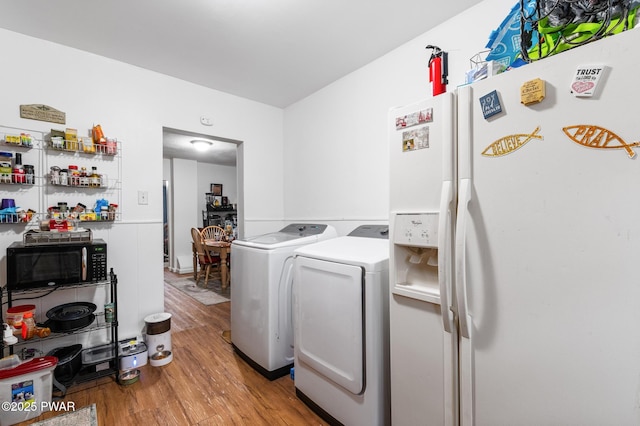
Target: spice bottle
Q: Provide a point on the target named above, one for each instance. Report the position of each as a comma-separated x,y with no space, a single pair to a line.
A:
29,171
84,178
112,211
94,178
64,177
74,175
55,175
64,209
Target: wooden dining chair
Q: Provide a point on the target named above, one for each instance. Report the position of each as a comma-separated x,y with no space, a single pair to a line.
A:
206,260
213,233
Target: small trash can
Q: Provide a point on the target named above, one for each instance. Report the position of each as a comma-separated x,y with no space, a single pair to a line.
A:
29,383
158,339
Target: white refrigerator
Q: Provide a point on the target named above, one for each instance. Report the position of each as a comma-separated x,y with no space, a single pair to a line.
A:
530,268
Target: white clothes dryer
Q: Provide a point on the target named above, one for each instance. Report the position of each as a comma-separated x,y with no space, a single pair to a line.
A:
261,319
341,327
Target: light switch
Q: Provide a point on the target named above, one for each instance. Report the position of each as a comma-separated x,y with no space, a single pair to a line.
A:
143,197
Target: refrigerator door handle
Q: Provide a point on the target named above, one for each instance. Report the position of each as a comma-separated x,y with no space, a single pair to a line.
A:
444,255
460,256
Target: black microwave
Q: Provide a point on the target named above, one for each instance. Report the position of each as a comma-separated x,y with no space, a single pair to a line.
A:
34,266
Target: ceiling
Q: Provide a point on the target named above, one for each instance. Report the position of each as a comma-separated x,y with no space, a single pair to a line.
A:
275,52
177,144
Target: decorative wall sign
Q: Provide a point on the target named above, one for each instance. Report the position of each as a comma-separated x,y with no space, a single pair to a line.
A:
42,113
508,144
415,139
598,137
415,118
585,80
532,92
490,104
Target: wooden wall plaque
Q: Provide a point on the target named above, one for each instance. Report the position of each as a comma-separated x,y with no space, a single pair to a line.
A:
42,113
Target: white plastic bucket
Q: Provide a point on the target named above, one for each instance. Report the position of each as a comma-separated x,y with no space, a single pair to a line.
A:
26,390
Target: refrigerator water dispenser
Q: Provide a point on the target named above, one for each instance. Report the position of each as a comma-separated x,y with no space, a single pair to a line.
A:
415,251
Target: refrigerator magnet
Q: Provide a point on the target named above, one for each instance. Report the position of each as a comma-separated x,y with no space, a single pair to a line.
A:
585,80
415,118
415,139
490,104
593,136
532,92
508,144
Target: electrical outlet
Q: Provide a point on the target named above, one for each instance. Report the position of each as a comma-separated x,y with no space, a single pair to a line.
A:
143,197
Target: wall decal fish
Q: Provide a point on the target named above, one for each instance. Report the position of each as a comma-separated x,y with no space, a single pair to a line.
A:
598,137
508,144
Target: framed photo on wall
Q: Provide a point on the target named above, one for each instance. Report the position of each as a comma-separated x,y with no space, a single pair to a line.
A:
216,189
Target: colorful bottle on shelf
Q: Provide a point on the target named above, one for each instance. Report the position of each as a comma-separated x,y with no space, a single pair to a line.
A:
74,175
84,177
26,140
19,175
112,211
28,326
95,180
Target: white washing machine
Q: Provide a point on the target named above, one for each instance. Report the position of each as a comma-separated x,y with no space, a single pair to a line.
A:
341,327
261,270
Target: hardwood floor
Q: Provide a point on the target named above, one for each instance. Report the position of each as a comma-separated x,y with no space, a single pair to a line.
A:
205,384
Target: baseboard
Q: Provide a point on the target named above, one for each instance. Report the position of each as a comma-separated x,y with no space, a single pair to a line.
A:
185,265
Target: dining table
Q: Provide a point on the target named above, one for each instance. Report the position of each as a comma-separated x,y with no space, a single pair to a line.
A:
224,248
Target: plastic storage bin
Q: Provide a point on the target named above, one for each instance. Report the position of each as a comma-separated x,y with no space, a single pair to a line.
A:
99,354
29,383
16,313
69,363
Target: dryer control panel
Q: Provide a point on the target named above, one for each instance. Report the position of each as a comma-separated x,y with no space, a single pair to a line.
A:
371,231
304,229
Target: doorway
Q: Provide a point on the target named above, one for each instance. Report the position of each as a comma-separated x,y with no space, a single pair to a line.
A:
188,175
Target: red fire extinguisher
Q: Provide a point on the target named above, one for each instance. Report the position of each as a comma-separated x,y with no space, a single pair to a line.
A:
438,70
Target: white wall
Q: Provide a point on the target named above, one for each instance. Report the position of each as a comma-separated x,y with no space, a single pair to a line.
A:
184,194
134,105
214,173
336,166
